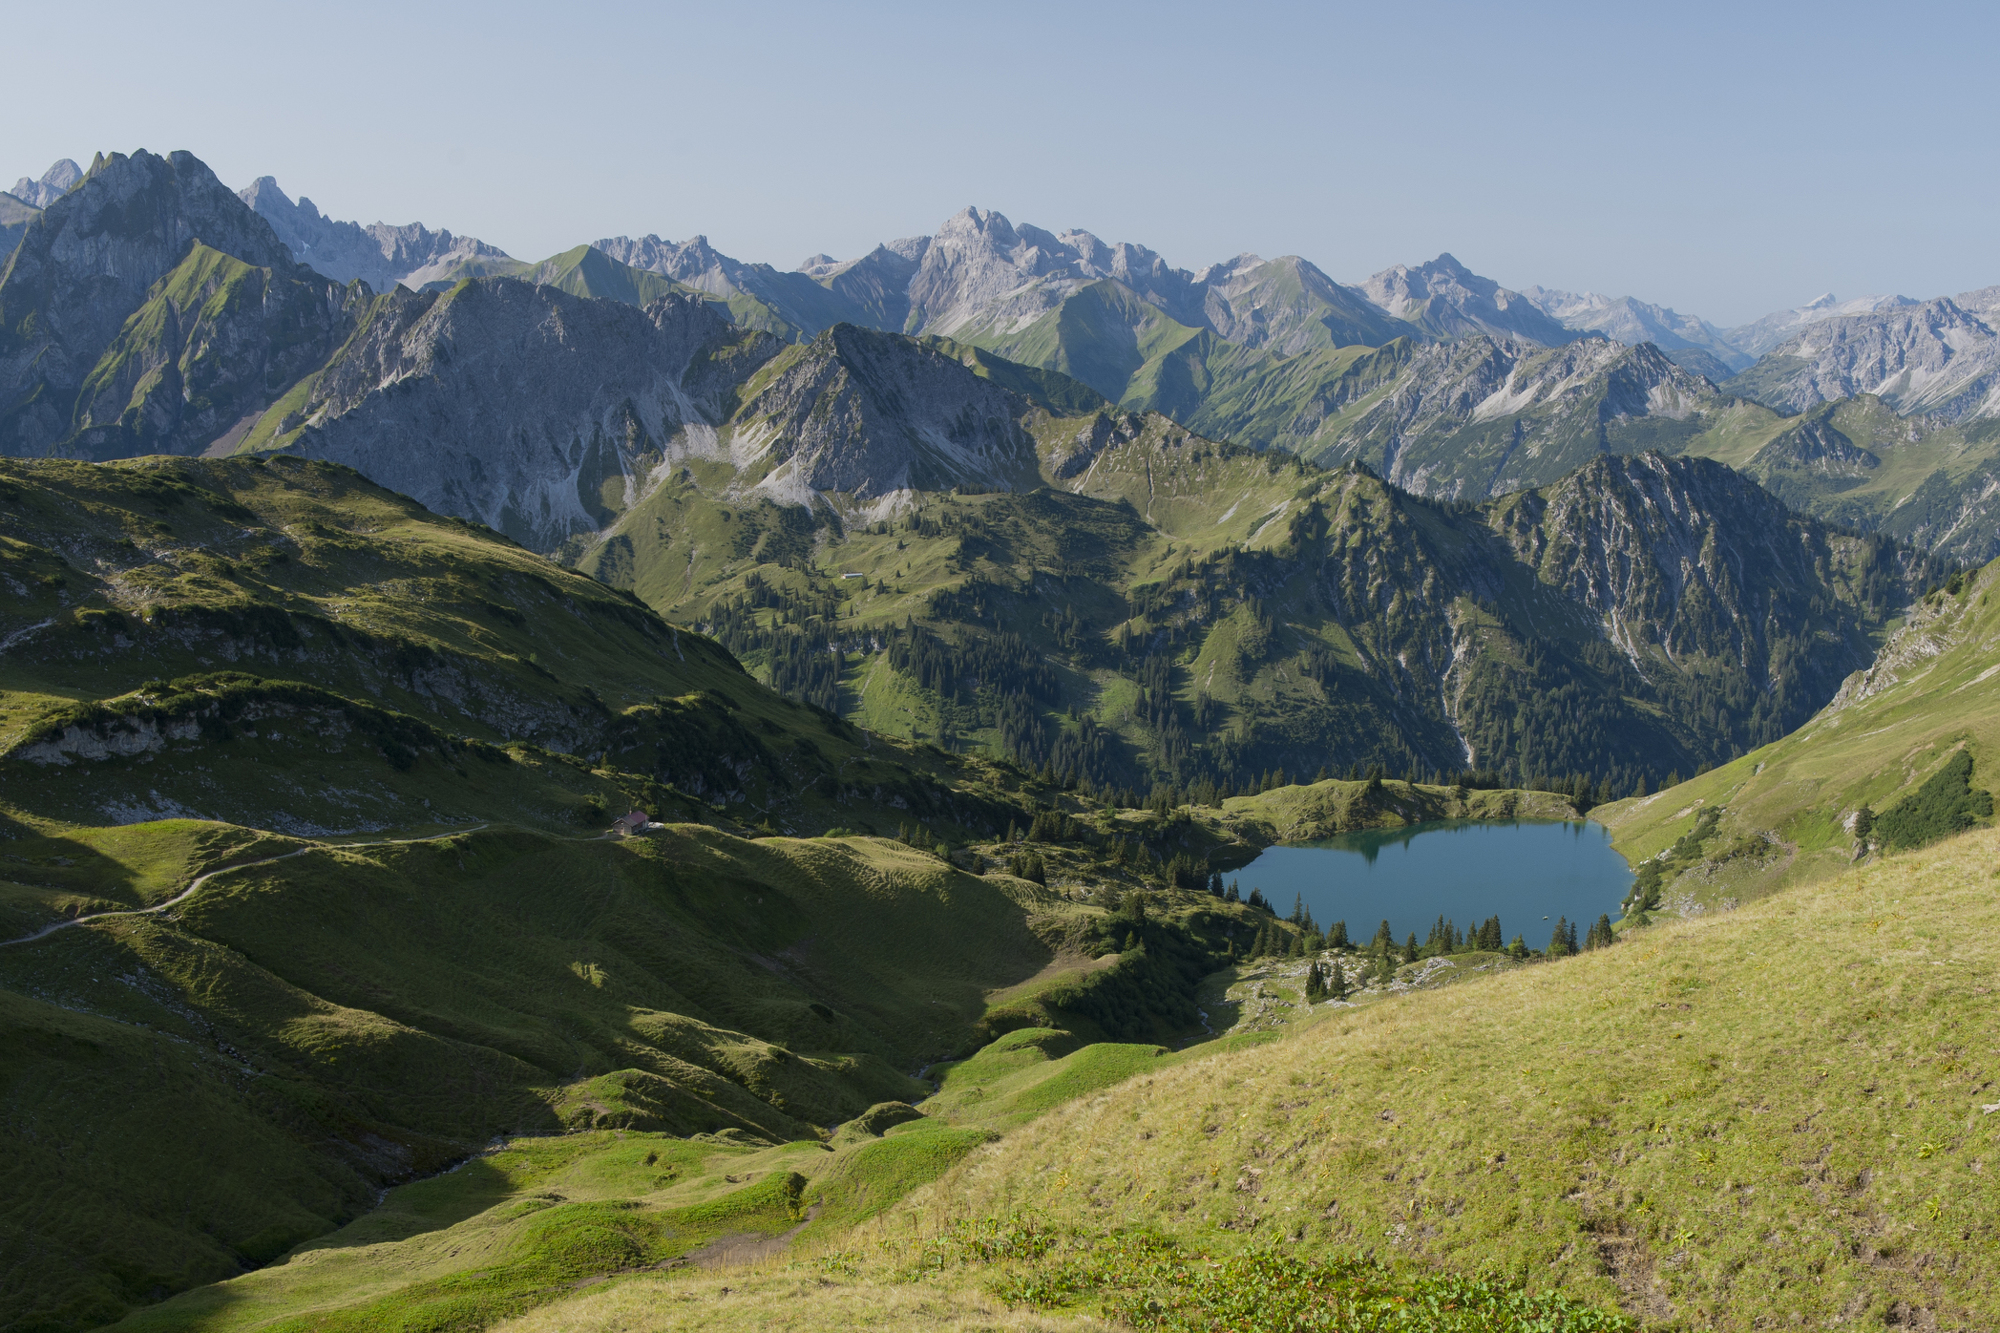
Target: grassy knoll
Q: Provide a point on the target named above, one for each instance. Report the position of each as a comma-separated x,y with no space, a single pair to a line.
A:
506,1230
1304,812
1784,813
1771,1112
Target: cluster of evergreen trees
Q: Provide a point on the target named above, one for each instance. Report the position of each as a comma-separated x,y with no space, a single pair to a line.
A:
1326,982
1563,942
1947,803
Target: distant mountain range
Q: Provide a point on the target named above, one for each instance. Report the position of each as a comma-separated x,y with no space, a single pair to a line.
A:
984,280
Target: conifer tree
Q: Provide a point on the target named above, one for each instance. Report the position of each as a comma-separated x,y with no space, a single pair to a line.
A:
1336,936
1410,950
1519,948
1559,941
1315,985
1336,983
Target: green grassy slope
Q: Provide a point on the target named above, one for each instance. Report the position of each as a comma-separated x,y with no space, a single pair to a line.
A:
1768,1114
216,342
691,1007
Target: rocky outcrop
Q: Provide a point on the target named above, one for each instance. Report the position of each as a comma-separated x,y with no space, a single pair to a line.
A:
868,415
380,255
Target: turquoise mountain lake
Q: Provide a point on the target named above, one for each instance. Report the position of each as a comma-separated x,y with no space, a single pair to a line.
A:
1463,870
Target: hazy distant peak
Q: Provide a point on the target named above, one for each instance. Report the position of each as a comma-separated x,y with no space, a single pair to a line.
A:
379,254
1230,268
54,184
1760,336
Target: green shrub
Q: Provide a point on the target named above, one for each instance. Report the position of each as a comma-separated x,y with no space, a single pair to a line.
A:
1947,803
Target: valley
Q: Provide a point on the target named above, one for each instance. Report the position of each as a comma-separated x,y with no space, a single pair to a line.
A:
958,624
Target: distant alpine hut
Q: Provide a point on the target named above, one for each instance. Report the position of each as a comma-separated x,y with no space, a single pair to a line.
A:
627,825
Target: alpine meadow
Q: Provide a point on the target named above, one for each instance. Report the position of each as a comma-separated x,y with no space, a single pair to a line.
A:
640,790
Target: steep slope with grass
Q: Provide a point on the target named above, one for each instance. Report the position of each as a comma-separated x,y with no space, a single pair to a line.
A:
1918,727
90,261
694,1009
1720,1123
215,344
1776,1115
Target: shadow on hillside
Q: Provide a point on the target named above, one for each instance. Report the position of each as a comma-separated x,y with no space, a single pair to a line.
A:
441,1201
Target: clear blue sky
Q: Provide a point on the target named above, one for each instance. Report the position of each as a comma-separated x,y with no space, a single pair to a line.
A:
1725,159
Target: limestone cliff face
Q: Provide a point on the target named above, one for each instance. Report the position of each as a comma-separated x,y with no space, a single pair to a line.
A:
89,262
1936,358
1481,417
536,412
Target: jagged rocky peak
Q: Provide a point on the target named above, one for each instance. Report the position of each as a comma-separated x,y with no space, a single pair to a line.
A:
379,254
1933,357
867,415
90,261
693,262
981,268
1446,298
1761,336
54,184
1633,321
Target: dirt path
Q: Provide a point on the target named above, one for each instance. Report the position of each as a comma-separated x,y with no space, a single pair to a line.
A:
202,879
743,1247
